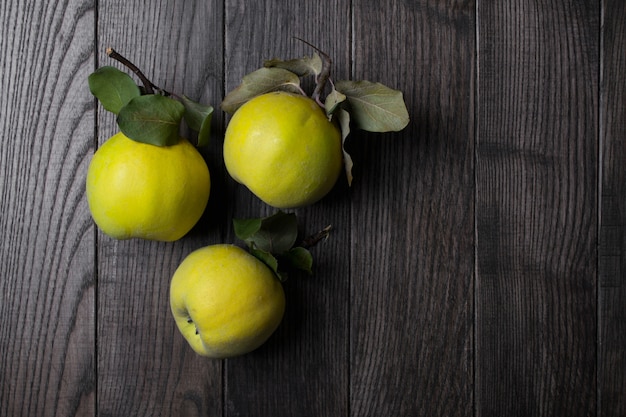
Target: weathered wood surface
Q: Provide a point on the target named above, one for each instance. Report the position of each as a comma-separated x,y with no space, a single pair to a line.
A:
536,205
476,266
612,244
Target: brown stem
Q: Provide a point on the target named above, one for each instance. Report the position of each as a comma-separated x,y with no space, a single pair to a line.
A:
314,239
324,74
148,85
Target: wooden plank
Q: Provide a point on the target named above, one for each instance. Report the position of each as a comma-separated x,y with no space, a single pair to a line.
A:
145,367
536,208
412,215
612,262
47,294
303,369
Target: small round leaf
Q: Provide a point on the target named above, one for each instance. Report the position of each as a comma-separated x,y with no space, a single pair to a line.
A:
300,258
275,234
333,100
113,88
198,118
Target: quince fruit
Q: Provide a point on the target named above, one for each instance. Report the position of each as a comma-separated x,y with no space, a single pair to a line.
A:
284,149
225,301
139,190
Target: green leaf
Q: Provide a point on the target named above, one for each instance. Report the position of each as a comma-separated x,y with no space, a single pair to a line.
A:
375,107
113,88
333,100
246,228
198,118
275,234
260,82
344,124
272,239
152,119
301,66
268,259
300,258
278,232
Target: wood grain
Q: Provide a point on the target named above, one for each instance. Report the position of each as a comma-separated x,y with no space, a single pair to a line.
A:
145,367
412,215
47,363
612,250
536,208
303,369
476,265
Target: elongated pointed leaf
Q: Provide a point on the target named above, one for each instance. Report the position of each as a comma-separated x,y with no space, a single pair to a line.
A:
375,107
198,118
152,119
301,66
260,82
113,88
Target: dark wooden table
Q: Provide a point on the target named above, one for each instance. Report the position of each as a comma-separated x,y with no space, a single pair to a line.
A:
477,264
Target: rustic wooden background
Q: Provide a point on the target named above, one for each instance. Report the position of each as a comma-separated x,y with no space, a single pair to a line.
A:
477,266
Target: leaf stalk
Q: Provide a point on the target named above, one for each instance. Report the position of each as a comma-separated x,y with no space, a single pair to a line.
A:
324,75
310,241
148,85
